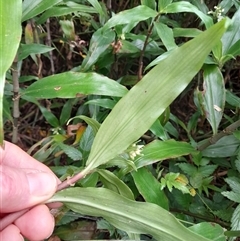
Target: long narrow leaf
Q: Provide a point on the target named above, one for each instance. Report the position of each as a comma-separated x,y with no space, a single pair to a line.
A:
72,85
32,8
134,114
125,214
213,96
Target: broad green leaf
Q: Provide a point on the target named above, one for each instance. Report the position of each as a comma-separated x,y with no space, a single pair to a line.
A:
232,99
232,52
72,85
10,36
186,32
235,220
112,182
184,6
162,150
70,151
234,184
149,187
227,146
235,197
201,5
134,114
149,3
232,35
126,214
66,111
100,42
27,49
211,231
162,4
102,14
213,96
70,7
32,8
106,103
134,15
166,35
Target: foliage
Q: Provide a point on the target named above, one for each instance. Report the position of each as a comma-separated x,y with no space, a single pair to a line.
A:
115,129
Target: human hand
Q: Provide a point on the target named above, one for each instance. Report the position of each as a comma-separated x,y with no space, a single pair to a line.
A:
24,183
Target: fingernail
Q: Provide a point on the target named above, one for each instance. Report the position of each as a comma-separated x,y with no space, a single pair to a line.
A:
42,184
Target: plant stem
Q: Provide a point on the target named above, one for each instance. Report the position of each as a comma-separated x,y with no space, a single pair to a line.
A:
49,43
15,99
10,218
2,83
217,137
140,63
205,218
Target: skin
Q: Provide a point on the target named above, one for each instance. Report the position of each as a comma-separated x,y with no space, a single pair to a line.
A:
25,183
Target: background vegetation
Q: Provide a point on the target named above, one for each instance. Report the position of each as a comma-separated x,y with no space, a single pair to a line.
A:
136,104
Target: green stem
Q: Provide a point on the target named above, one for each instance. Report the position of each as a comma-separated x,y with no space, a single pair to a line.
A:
2,82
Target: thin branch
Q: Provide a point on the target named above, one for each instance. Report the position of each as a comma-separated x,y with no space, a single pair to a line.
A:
217,137
15,99
49,43
140,63
10,218
198,216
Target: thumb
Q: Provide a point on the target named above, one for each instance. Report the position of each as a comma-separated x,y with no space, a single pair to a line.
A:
24,188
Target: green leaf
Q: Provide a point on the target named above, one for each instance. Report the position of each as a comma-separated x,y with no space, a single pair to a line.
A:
234,183
105,103
187,168
72,85
225,147
232,35
90,121
166,35
70,151
162,4
211,231
66,112
112,182
70,7
149,3
184,6
10,36
125,214
32,8
27,49
162,150
213,96
100,42
186,32
235,197
133,15
149,187
97,6
235,221
134,114
232,99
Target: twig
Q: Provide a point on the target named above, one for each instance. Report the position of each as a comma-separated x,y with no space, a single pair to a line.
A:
218,136
140,63
198,216
15,99
49,43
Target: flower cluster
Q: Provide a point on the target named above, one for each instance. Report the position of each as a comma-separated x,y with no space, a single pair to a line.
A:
135,150
218,11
